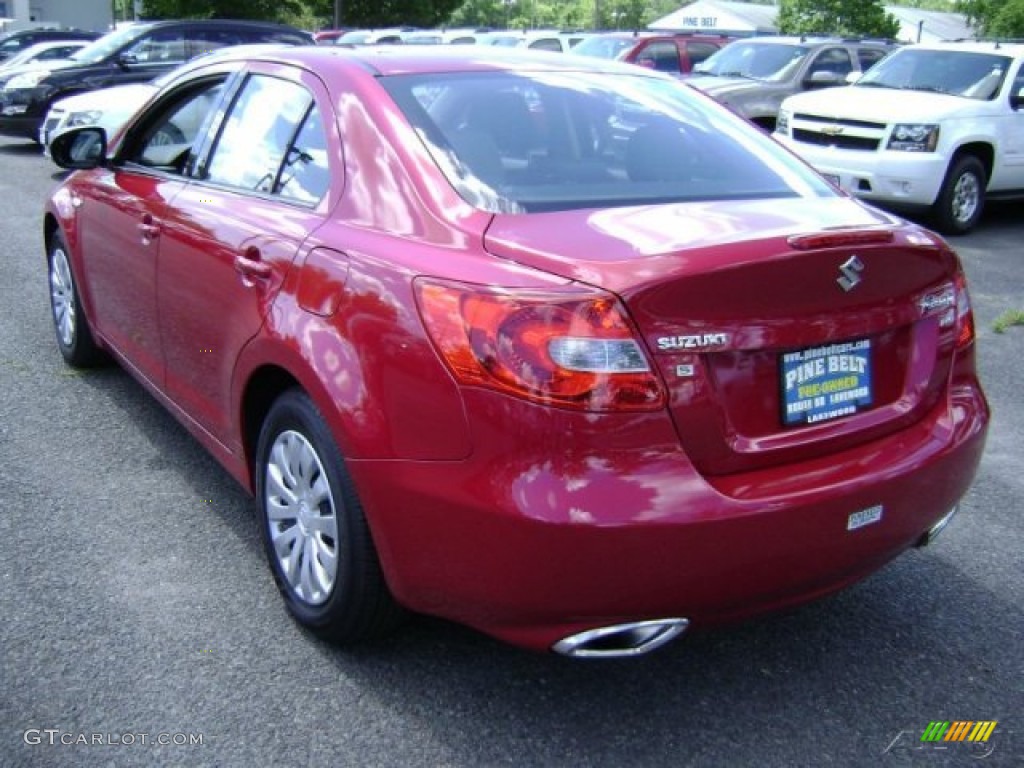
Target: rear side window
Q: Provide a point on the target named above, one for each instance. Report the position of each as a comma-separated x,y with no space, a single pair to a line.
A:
272,142
546,44
305,174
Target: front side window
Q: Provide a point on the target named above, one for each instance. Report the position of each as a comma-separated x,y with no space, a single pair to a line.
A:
662,56
267,144
834,60
158,48
957,73
165,139
546,44
517,143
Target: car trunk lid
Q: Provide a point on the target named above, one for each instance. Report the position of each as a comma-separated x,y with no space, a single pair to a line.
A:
782,330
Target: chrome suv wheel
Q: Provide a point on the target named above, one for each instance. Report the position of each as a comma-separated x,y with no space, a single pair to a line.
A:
962,198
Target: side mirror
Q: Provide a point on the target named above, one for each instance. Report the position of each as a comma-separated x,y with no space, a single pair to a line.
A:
127,59
853,77
1017,99
822,78
80,148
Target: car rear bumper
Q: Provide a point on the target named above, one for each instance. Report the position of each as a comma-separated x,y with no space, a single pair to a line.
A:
900,178
536,547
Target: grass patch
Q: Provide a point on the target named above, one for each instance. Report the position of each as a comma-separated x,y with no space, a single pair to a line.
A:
1008,318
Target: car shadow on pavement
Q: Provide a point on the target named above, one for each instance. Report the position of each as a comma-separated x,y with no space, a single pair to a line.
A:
862,666
28,148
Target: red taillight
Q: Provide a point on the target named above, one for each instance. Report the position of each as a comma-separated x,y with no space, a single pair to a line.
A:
964,313
952,304
573,349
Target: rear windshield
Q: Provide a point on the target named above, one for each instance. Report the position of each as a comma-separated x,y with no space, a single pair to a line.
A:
754,60
521,142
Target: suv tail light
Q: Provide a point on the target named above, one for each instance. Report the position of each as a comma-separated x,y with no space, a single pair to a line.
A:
573,349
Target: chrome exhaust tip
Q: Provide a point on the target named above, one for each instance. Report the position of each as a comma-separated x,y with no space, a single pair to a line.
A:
935,530
621,640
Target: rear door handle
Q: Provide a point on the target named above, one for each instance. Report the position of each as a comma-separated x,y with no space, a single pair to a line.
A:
251,266
149,227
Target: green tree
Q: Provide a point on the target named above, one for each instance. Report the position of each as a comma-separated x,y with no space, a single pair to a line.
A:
389,13
354,13
996,18
267,10
836,17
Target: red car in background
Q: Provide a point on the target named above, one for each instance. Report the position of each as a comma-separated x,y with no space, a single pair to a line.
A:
673,53
473,361
328,36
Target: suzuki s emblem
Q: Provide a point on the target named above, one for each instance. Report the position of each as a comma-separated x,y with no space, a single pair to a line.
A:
850,271
832,130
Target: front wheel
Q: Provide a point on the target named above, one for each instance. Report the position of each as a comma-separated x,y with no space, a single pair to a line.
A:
74,337
314,530
962,198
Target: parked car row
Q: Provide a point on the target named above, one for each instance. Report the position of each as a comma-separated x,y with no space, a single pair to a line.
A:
555,40
134,54
551,346
14,43
966,100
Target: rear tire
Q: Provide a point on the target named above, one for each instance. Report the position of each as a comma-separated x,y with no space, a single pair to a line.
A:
313,528
962,198
74,337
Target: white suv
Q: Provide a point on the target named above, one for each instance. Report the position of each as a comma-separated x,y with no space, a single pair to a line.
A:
931,128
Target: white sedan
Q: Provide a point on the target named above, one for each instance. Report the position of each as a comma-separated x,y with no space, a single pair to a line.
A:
108,108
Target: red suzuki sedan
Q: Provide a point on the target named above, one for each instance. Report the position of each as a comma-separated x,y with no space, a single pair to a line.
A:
558,349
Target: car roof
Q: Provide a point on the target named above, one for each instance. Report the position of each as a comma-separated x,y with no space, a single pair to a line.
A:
646,34
811,41
974,46
426,59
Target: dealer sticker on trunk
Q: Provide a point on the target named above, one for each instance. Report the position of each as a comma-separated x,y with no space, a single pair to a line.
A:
826,382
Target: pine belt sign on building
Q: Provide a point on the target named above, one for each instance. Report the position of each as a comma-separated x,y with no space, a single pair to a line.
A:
745,19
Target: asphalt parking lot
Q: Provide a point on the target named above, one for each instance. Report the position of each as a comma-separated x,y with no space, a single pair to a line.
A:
140,624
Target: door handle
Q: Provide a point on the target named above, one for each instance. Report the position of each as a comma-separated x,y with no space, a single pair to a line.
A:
251,267
149,227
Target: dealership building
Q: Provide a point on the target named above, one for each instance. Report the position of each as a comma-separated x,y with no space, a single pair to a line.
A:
95,15
744,19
